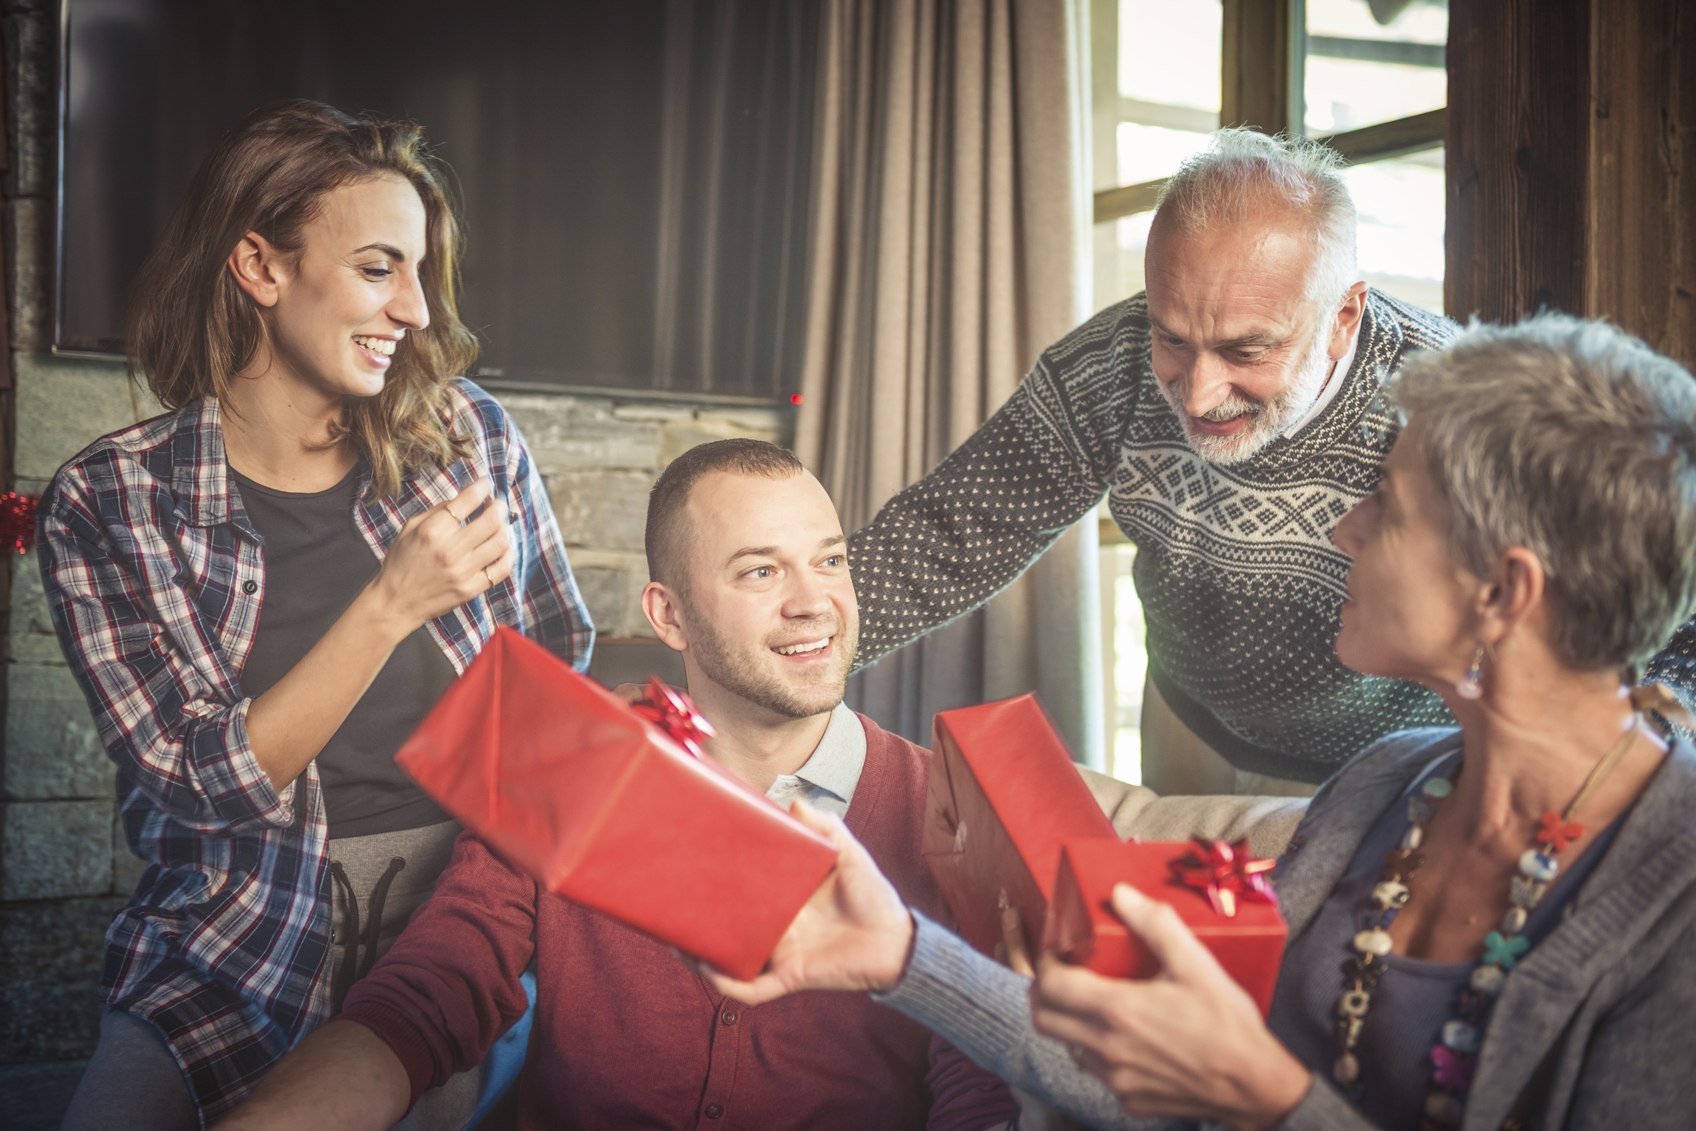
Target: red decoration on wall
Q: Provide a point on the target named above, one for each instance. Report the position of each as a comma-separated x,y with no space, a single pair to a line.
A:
17,521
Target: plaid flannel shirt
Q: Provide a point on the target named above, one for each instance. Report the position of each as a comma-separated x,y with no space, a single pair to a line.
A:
155,578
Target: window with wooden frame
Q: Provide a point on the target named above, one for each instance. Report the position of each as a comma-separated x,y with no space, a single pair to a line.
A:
1368,77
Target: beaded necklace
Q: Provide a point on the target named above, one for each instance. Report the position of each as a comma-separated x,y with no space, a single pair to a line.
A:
1455,1056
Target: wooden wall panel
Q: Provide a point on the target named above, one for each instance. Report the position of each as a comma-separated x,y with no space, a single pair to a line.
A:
1572,163
1642,190
1516,155
1261,67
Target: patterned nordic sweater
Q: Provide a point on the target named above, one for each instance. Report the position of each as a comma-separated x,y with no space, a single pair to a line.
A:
1239,581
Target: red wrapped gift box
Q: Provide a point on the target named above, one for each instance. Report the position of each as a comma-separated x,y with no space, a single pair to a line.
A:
566,781
1083,929
1003,796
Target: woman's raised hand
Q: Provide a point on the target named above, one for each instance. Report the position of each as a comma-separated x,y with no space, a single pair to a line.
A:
1187,1042
853,934
445,556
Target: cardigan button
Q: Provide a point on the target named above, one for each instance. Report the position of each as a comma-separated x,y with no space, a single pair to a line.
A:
250,587
715,1111
728,1017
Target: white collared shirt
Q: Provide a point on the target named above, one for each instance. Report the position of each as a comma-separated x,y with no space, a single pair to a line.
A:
1329,392
827,779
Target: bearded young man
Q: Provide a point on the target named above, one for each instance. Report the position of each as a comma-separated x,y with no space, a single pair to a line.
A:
1231,416
751,585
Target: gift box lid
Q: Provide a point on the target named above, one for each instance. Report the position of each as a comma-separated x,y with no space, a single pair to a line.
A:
565,780
1083,928
1007,756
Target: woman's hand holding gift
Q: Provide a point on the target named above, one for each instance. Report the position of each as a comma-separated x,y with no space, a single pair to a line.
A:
1188,1042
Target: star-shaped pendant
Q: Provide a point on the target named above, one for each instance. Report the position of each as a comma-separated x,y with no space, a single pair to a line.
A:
1555,834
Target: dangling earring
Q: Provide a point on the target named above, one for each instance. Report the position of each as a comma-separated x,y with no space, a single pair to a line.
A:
1471,685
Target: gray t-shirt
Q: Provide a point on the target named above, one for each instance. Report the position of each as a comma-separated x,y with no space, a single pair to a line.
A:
316,562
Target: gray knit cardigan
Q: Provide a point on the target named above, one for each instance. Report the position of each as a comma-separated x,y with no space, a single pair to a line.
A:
1595,1028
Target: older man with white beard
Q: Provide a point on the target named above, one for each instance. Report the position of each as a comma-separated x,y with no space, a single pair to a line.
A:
1231,416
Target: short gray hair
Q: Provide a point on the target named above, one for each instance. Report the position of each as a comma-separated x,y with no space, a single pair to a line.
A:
1577,441
1242,168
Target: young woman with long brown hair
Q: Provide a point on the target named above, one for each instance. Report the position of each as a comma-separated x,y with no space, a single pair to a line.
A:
263,591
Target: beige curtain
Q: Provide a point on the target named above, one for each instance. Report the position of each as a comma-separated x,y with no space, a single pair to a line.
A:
946,243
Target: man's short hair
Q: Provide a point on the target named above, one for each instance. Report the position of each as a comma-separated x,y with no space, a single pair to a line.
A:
1577,441
1243,169
665,535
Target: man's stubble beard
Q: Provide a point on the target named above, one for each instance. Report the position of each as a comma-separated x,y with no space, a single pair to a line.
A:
741,675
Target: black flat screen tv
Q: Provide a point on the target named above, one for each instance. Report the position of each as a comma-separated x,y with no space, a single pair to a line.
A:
634,174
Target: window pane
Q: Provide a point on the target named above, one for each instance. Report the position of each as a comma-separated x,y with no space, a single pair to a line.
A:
1169,52
1156,67
1372,61
1130,666
1118,258
1147,153
1401,225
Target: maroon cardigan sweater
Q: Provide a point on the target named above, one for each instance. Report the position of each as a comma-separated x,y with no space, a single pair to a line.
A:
625,1036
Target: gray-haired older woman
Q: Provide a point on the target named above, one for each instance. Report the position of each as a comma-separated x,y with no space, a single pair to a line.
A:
1489,925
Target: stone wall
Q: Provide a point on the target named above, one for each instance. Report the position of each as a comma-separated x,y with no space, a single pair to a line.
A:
64,867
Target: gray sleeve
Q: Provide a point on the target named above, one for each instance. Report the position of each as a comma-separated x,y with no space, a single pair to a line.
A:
1324,1109
983,1009
948,543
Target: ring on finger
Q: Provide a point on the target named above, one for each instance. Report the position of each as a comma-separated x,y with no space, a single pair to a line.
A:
453,516
486,576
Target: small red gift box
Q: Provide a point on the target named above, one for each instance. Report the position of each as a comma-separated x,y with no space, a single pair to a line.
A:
569,783
1083,929
1003,796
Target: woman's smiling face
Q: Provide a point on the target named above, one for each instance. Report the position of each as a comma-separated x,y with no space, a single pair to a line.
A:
351,294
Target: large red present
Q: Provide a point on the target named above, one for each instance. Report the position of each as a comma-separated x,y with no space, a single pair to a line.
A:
1003,796
1202,880
569,783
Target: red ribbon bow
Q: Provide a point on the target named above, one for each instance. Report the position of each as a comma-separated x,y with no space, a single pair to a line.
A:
17,521
1225,872
671,711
